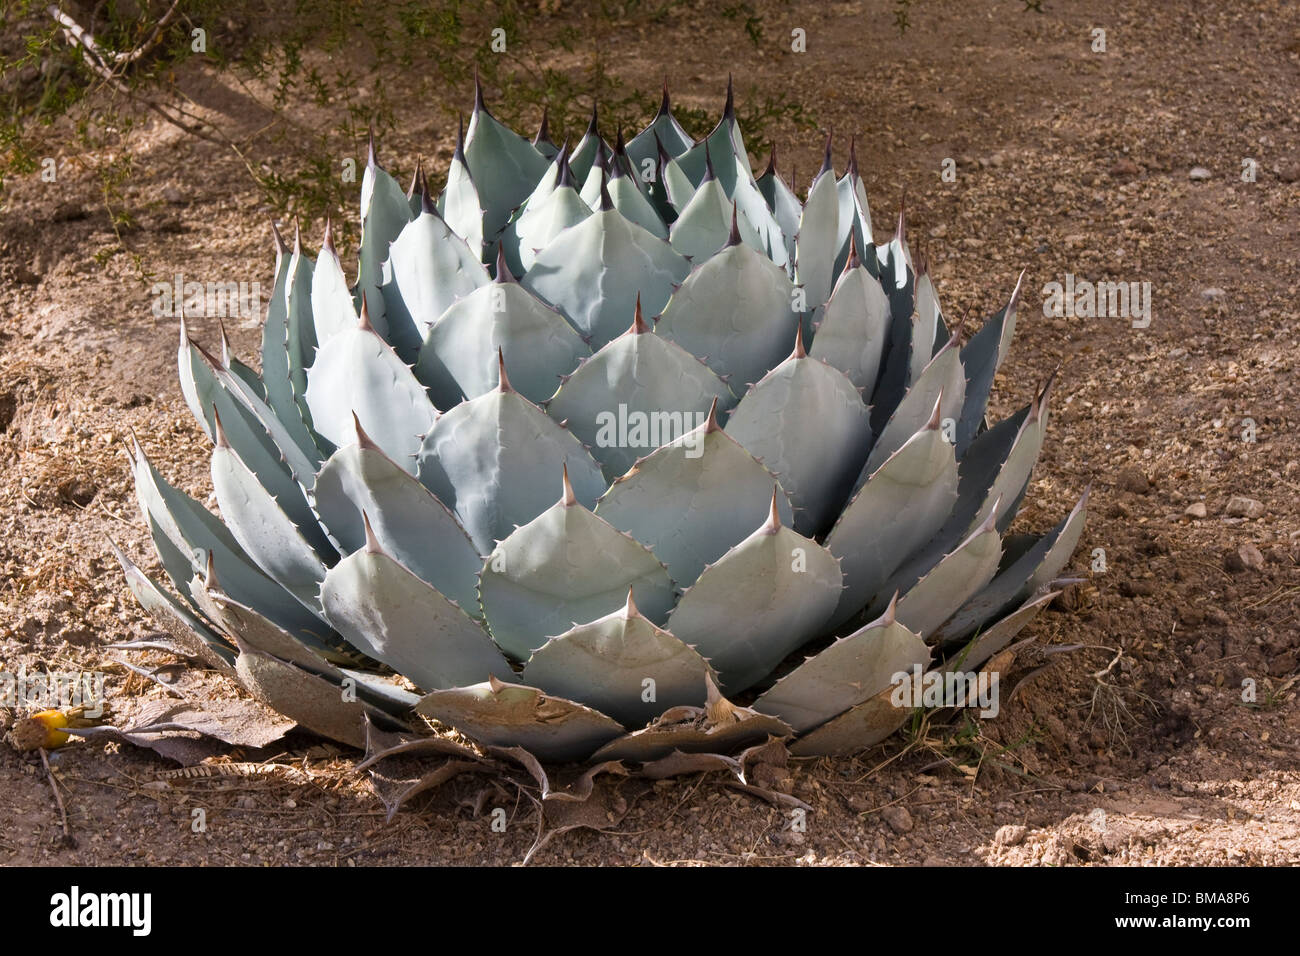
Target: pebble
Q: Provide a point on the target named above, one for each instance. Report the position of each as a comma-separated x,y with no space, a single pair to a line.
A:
1196,510
1010,834
1290,173
1132,480
1252,558
1199,173
899,820
1213,292
1125,167
1239,506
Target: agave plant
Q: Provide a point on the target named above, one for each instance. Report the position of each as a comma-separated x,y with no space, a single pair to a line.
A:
601,442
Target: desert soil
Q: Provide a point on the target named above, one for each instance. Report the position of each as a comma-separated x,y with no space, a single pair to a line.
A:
1135,747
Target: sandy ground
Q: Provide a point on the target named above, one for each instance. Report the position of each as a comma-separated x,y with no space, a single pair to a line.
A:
1136,748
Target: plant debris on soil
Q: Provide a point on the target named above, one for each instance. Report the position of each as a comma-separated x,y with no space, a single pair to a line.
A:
1152,721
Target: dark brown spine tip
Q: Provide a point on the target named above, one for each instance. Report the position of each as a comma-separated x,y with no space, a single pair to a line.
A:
416,177
544,129
827,165
218,433
364,441
771,162
210,582
327,244
936,414
563,172
734,238
297,237
923,265
1015,293
799,351
503,269
280,247
708,165
665,106
503,381
593,125
567,497
479,105
852,170
855,258
606,203
729,108
427,204
711,423
363,320
891,613
1043,396
371,154
372,541
663,153
773,523
901,234
226,352
639,326
459,153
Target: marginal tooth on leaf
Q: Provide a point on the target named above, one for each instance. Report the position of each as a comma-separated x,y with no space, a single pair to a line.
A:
496,684
773,523
503,383
218,433
372,543
567,497
890,616
639,325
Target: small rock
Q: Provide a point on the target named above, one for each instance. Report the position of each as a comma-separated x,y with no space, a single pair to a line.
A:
1232,562
1125,167
1289,173
173,195
1213,292
899,820
1199,174
1195,510
77,491
1252,559
1010,834
1133,480
1239,506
